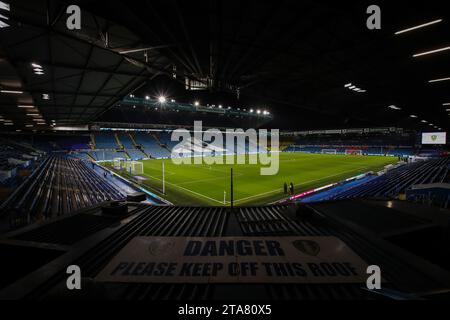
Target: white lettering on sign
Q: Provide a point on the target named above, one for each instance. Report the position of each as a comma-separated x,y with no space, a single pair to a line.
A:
236,260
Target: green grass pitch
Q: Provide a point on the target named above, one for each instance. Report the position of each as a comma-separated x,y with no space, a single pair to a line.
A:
199,185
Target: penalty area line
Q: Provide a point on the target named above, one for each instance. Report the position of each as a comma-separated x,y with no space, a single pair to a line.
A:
188,190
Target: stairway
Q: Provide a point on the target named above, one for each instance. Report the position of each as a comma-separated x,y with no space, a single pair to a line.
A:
119,144
132,139
93,144
90,156
136,145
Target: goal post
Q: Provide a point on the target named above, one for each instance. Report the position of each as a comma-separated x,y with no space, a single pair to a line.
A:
118,163
134,167
355,152
329,151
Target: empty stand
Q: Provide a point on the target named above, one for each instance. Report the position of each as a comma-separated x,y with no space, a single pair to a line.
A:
395,181
60,186
151,145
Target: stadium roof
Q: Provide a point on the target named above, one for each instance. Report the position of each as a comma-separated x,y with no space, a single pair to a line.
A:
91,238
293,56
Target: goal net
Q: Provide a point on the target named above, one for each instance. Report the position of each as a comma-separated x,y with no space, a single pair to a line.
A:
118,163
329,151
134,167
356,152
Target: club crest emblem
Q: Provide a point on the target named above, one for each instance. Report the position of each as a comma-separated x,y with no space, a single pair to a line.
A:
160,248
308,247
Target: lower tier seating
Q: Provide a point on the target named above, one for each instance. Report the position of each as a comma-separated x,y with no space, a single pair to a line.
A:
398,180
60,186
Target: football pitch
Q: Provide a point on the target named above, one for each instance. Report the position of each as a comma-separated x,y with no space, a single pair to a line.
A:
202,185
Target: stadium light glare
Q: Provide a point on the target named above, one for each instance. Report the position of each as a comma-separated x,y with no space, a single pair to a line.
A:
258,111
439,80
25,107
430,52
251,110
354,88
162,99
446,104
394,107
5,6
147,98
419,26
220,106
11,91
424,121
196,103
413,116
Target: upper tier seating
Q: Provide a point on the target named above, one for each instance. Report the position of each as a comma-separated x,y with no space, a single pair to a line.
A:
151,145
126,141
105,141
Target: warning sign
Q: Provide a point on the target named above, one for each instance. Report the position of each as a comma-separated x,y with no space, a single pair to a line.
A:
236,260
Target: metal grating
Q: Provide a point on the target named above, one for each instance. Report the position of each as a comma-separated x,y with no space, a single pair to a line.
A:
67,231
247,221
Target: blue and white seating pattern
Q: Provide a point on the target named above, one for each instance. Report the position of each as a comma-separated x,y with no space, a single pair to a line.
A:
60,186
105,141
151,146
395,181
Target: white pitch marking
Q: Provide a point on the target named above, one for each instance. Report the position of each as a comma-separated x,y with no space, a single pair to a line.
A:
277,190
196,193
